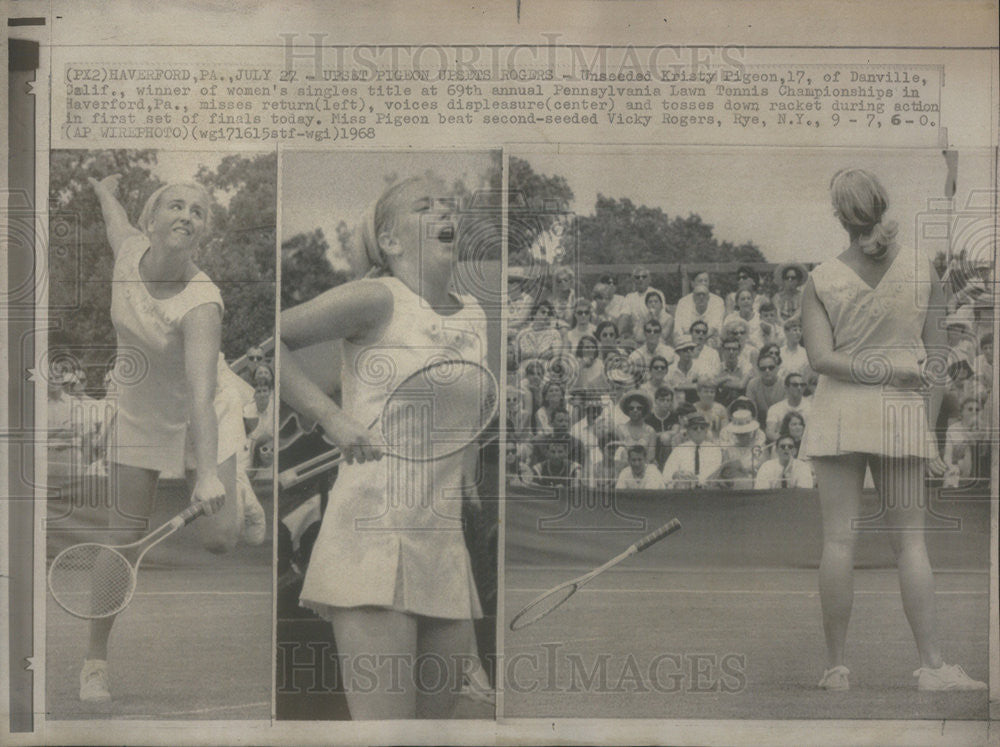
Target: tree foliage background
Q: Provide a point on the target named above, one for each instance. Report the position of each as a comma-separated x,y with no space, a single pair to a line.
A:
617,231
238,253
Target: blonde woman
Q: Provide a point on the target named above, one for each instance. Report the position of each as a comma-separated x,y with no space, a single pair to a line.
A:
868,316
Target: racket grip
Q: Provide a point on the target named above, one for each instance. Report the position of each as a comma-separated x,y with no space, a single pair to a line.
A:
189,514
655,536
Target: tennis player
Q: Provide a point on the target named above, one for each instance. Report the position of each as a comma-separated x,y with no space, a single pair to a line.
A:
390,569
868,317
179,416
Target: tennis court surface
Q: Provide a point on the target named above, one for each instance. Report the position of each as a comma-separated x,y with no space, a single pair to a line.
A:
722,620
195,643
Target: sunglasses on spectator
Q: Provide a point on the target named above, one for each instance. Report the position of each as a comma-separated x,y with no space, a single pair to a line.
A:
634,407
699,331
583,312
255,358
786,447
767,368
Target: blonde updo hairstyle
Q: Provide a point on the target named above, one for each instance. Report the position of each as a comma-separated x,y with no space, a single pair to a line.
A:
366,256
859,202
146,216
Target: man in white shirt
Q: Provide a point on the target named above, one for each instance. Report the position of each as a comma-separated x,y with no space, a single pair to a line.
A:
795,387
700,303
693,463
639,474
642,356
706,360
786,471
635,302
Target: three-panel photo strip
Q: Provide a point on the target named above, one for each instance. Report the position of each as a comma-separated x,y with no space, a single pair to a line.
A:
540,432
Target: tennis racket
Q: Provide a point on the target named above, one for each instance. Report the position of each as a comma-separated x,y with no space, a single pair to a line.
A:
91,580
545,603
433,413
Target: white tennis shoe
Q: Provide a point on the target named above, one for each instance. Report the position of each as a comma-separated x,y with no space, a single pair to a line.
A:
946,677
94,681
835,678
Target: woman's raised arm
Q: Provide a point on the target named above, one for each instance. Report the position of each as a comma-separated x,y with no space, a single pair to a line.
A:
115,217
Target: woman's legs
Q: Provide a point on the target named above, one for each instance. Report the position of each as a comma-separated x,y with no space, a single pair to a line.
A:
397,665
840,481
904,498
442,643
377,648
220,532
134,491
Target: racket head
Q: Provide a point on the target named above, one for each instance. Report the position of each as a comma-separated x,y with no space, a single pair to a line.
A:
91,581
542,605
438,410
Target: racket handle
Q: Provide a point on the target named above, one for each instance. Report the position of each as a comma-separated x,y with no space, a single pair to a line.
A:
655,536
188,515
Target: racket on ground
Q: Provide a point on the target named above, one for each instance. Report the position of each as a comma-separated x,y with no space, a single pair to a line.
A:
545,603
91,580
433,413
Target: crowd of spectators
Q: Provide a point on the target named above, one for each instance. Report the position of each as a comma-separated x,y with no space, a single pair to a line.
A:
631,389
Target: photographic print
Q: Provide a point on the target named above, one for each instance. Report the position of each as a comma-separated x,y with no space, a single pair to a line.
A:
159,392
390,349
777,359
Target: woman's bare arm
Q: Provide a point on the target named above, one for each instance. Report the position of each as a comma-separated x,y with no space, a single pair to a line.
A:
115,218
353,311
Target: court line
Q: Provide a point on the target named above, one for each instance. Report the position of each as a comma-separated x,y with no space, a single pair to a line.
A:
184,593
167,714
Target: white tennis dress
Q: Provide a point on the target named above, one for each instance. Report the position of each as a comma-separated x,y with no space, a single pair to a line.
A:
879,328
392,532
151,427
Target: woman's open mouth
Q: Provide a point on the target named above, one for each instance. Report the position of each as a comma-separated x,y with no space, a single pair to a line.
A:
446,233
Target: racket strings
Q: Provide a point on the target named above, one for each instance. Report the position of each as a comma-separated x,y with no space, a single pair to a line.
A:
538,609
439,410
91,581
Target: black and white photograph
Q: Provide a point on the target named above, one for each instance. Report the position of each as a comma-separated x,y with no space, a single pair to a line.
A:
768,375
387,451
159,378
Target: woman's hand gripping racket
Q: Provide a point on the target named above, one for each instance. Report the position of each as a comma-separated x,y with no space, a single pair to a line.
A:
433,413
542,605
91,580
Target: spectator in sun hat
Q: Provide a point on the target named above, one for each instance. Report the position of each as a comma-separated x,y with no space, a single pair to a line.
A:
789,278
682,376
702,304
